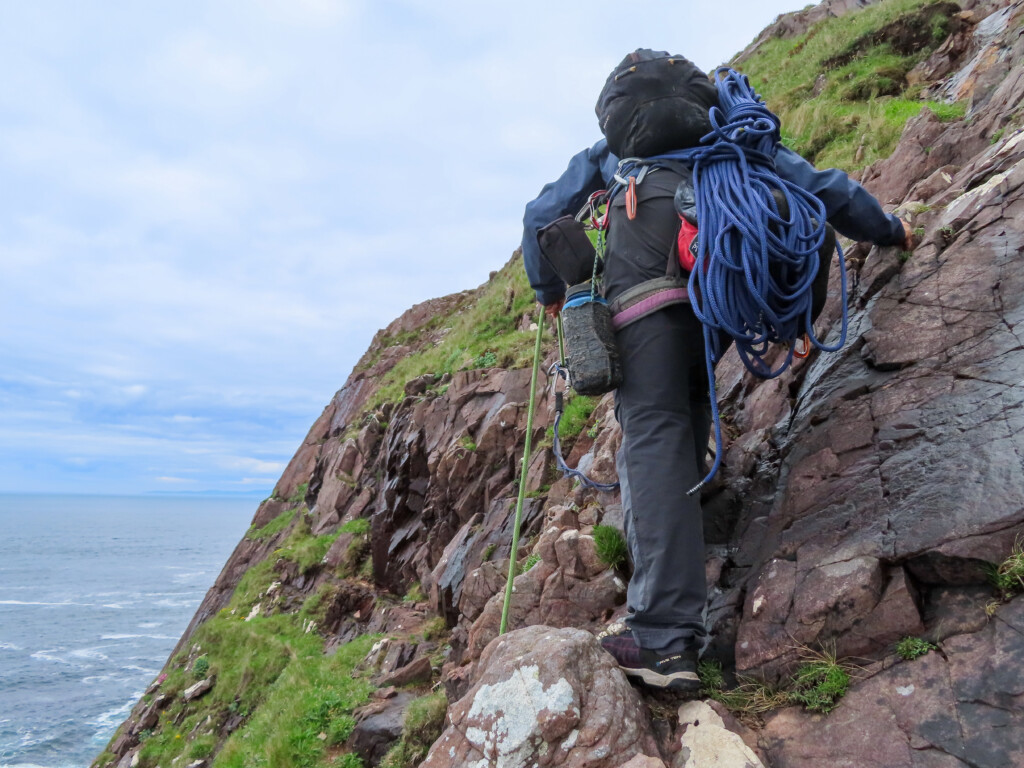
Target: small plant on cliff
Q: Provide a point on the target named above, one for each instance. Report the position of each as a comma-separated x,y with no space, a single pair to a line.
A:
467,444
529,562
360,526
575,417
275,526
1008,576
911,648
200,667
299,495
424,721
434,629
415,594
820,682
610,546
747,700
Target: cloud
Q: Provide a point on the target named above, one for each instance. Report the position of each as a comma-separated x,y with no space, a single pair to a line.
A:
209,208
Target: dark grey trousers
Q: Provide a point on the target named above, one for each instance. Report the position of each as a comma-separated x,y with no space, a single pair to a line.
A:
664,412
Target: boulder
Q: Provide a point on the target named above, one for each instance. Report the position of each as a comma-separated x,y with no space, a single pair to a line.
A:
378,727
197,690
545,697
707,743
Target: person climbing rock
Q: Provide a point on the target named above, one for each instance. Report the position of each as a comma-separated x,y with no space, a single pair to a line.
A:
663,402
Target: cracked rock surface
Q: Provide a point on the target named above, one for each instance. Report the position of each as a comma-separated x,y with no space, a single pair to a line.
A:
545,697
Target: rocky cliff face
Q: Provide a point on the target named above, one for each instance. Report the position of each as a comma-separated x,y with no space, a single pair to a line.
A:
866,497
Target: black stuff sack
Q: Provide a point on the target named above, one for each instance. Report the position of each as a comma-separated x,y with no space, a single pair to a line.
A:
564,245
653,103
591,354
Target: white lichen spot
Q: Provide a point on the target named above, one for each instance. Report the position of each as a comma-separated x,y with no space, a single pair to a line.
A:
904,690
758,604
451,752
570,740
509,711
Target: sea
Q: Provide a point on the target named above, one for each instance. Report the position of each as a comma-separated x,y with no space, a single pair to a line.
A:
95,591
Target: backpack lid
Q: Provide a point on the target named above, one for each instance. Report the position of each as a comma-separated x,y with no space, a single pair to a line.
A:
655,102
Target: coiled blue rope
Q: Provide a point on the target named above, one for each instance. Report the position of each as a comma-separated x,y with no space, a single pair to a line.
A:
755,269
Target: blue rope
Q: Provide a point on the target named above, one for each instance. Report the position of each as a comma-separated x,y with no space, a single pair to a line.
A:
755,269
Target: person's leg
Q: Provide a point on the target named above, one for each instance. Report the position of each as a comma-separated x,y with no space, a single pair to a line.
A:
659,461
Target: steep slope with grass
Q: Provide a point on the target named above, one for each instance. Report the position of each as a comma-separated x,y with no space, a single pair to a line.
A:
864,536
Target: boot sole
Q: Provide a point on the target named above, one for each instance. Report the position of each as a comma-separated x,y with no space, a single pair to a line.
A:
677,681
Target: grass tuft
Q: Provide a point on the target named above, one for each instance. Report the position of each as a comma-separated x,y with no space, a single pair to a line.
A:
820,682
840,90
1008,576
424,721
610,545
910,648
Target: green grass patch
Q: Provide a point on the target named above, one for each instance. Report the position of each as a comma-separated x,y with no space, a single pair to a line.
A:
274,527
360,525
300,494
435,629
313,695
481,333
819,683
749,698
910,648
862,100
415,594
1008,576
610,545
424,722
528,562
578,409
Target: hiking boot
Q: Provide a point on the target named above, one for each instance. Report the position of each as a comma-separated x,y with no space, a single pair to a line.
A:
674,671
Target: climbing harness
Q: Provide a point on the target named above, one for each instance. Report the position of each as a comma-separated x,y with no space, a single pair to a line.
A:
517,523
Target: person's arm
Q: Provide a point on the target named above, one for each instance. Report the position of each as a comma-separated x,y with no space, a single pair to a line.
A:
849,207
563,197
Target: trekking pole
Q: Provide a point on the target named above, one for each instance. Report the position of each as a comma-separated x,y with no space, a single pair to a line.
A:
522,477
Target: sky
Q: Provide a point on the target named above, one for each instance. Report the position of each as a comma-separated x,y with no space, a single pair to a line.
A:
207,209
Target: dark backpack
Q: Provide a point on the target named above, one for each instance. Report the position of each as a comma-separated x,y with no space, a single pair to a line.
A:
653,103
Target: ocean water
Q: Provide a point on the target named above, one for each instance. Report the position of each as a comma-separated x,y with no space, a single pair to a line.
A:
94,593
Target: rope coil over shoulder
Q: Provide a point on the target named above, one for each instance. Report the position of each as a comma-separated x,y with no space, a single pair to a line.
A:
754,271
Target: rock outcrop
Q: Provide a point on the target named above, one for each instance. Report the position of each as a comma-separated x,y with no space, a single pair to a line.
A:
545,697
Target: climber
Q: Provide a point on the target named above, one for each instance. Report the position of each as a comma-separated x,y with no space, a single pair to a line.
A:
663,403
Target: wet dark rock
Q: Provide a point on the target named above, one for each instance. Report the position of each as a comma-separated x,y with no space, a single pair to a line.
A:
379,727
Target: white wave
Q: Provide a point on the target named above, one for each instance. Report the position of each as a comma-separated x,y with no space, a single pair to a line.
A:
48,655
141,670
34,602
180,577
94,679
114,605
10,647
150,624
176,603
136,637
91,653
106,723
